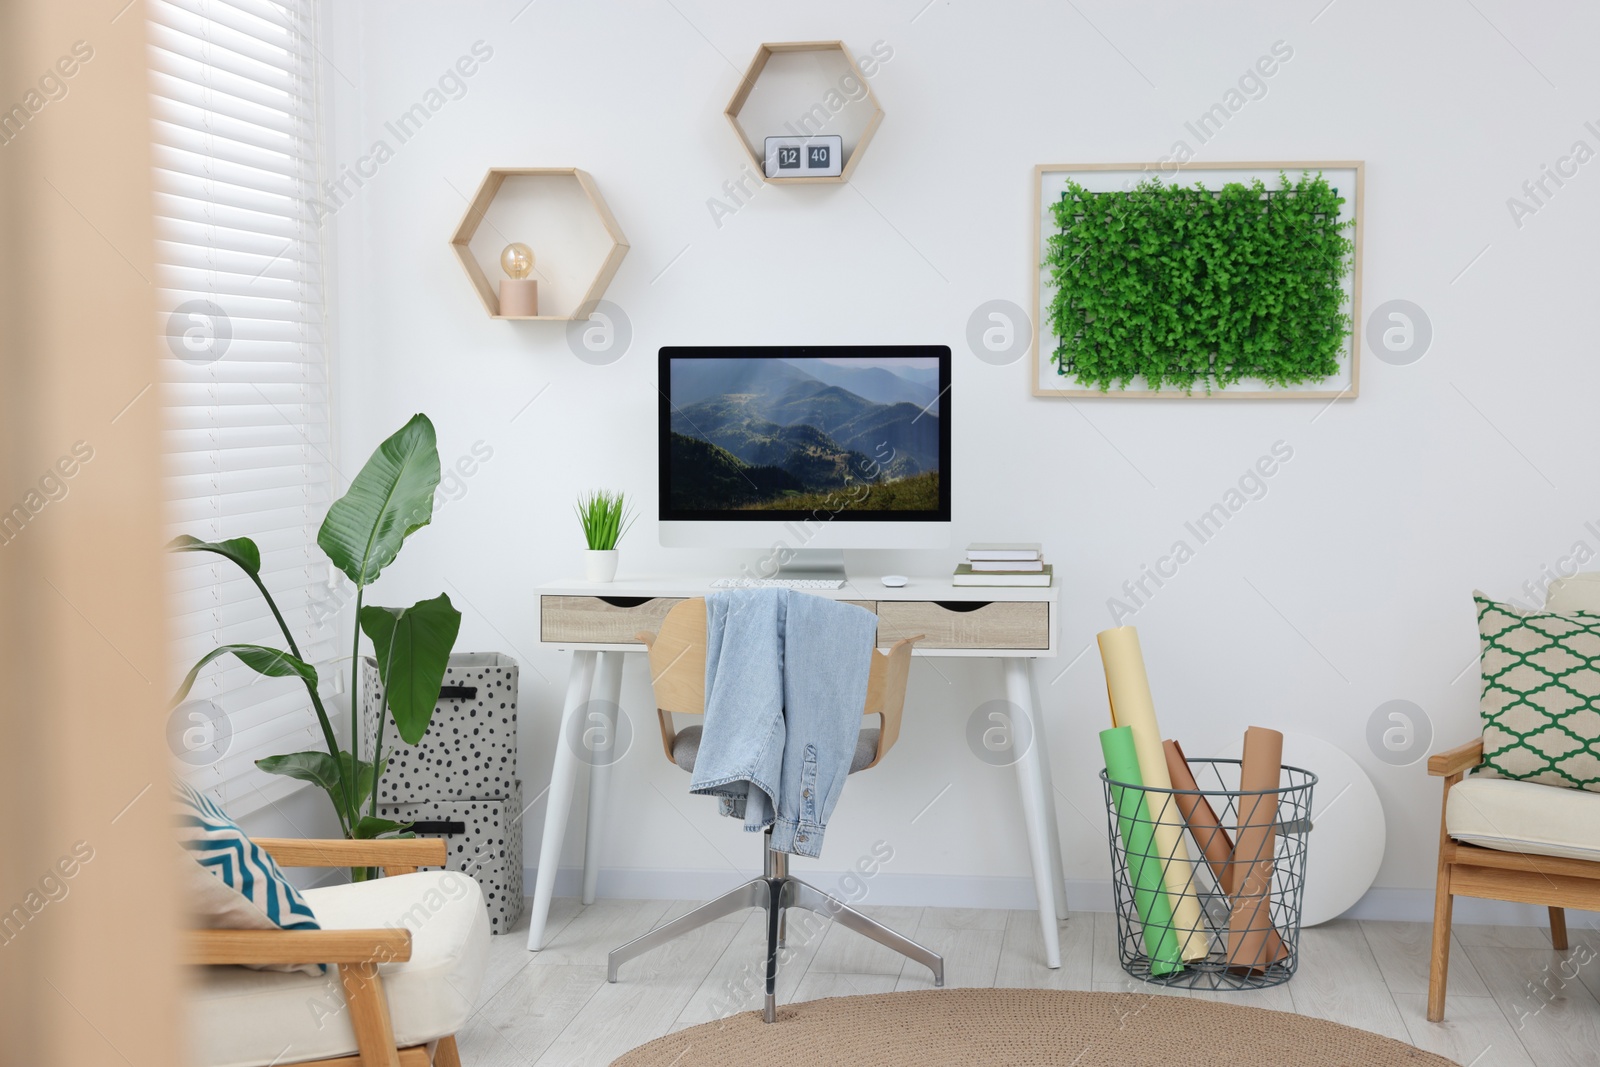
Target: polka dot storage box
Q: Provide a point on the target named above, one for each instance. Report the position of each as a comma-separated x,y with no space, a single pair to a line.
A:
460,781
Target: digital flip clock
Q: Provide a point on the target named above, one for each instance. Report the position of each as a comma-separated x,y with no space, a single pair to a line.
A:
821,156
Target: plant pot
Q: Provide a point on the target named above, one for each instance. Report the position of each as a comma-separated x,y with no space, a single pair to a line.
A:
600,565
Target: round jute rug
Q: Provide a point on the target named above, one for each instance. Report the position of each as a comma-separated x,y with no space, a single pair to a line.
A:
1025,1028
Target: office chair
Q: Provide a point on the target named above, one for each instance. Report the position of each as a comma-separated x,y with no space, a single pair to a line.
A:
678,676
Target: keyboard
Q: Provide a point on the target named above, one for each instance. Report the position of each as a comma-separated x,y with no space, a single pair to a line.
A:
777,583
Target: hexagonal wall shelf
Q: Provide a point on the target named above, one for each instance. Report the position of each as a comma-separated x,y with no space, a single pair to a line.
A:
558,213
801,88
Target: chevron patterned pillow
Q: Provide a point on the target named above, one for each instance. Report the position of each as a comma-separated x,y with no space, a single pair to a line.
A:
228,855
1541,695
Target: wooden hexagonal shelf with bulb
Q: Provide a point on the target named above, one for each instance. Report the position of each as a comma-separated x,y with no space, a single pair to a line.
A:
803,89
559,214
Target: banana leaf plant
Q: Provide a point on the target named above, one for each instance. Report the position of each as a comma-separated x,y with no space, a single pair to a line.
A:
389,500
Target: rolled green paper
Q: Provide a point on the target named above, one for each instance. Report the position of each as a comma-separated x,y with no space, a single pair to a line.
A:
1145,869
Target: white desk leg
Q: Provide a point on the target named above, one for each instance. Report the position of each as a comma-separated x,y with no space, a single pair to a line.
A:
1041,733
558,802
1030,782
599,748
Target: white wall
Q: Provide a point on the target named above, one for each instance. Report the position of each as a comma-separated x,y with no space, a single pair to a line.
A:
1346,586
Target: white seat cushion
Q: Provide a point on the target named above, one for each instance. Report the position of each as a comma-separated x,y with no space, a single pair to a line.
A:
245,1018
1513,816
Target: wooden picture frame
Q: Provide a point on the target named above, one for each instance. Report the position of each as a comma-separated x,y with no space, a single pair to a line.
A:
1112,176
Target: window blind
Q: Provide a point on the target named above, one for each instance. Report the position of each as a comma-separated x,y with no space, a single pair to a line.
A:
245,384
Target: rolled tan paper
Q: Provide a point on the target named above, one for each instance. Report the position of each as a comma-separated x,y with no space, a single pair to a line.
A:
1253,943
1131,706
1204,826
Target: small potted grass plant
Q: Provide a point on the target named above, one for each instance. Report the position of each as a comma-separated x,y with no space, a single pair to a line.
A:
605,518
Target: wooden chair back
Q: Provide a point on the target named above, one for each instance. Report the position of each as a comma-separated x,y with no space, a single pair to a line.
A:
678,675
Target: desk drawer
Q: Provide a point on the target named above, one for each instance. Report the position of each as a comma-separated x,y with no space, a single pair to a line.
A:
593,620
1017,624
597,620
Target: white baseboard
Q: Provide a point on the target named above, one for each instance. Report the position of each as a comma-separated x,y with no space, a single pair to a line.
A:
979,891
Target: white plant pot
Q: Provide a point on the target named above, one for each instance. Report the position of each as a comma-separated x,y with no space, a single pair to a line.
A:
600,565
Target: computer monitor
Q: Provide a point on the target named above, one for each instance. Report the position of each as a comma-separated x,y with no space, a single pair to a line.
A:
799,449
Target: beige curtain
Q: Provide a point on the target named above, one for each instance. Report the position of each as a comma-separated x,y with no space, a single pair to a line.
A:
88,970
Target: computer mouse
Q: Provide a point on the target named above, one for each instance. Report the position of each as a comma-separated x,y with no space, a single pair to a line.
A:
894,581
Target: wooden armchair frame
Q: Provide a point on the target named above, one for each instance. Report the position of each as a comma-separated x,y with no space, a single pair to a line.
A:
357,952
1466,870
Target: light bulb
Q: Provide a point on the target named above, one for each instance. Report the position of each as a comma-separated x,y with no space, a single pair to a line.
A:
517,260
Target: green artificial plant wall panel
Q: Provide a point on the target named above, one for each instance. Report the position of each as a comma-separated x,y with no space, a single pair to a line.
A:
1240,283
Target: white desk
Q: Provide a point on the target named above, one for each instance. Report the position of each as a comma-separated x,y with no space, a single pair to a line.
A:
596,622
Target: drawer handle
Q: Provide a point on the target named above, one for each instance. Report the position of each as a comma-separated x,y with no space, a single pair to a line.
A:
443,826
458,692
962,605
625,601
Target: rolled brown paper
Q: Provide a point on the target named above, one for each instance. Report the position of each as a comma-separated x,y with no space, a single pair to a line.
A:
1204,826
1253,943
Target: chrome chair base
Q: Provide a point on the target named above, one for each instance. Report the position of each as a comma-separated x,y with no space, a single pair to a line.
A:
775,893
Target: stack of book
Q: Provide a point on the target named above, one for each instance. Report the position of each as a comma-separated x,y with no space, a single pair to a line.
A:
990,564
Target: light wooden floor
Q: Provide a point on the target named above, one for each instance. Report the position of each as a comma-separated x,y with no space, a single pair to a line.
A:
555,1009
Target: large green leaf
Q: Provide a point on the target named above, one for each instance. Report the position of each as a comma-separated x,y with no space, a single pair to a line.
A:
412,646
364,774
272,662
390,498
240,550
370,826
318,768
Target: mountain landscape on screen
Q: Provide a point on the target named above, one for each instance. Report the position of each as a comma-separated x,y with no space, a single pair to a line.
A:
775,434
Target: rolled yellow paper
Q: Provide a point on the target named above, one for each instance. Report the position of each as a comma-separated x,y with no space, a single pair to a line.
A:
1131,705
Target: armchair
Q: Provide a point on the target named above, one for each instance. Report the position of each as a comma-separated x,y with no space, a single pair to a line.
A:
1509,840
1514,840
412,942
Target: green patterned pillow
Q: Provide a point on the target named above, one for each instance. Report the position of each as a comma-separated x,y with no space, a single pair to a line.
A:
1541,695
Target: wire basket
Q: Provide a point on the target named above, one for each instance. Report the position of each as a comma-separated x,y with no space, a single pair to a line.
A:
1219,906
